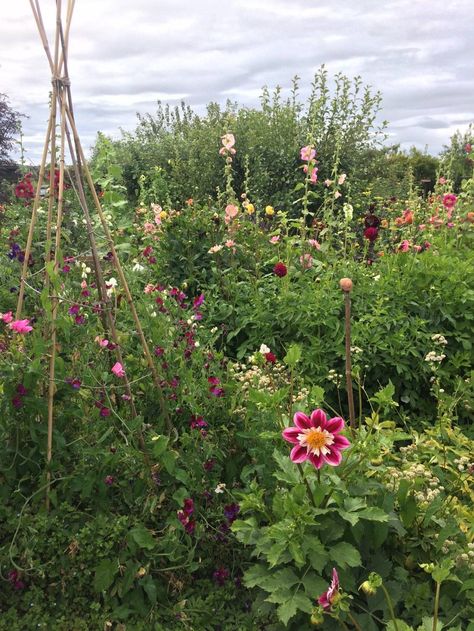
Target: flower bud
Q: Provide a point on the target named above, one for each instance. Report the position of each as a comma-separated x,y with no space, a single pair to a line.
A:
368,588
317,618
345,284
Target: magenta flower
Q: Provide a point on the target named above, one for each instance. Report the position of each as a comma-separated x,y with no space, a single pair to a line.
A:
118,370
20,326
327,599
316,439
449,200
314,176
307,153
280,269
109,480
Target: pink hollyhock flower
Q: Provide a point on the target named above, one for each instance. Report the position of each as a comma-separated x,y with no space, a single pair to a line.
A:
118,370
314,244
307,153
148,227
327,183
327,599
449,200
314,176
468,147
6,317
20,326
417,248
306,261
275,239
231,211
316,439
337,194
404,246
280,269
149,288
342,178
229,243
442,180
422,226
228,142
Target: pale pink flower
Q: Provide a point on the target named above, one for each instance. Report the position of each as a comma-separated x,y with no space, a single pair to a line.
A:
326,600
148,227
118,370
327,183
316,439
337,194
214,249
442,180
342,178
314,176
158,220
314,244
228,142
84,284
417,248
20,326
307,153
422,226
149,288
275,239
6,317
306,261
231,211
229,243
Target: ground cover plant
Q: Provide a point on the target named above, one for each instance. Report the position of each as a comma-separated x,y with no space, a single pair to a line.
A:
244,493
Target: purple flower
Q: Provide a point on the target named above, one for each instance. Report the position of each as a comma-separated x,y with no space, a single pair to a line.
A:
21,390
109,480
221,575
216,392
198,301
231,511
74,310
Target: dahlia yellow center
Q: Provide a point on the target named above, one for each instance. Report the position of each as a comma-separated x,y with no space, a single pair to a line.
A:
316,440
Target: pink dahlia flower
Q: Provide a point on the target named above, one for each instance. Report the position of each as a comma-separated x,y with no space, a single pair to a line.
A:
328,598
20,326
316,439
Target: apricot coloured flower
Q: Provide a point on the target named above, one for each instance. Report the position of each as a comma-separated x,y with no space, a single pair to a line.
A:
316,439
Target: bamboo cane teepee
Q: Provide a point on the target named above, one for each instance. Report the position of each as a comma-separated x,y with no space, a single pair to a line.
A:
62,117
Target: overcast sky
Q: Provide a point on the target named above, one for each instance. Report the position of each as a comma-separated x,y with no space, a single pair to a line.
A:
126,54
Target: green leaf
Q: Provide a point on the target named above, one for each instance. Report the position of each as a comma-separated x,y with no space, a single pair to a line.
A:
408,511
256,576
373,513
105,573
143,537
293,355
290,607
427,624
316,395
401,626
150,589
345,555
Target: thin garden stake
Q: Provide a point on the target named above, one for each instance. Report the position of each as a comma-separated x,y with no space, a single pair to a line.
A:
346,286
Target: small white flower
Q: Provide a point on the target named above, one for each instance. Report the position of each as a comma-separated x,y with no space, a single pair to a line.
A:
137,267
264,349
196,344
220,488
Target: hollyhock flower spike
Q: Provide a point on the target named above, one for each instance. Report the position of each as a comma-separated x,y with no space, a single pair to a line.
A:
327,599
307,153
316,439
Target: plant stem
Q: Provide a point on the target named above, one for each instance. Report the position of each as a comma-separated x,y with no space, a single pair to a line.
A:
390,606
436,607
308,488
354,621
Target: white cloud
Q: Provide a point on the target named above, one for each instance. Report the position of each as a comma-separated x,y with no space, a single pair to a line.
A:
125,56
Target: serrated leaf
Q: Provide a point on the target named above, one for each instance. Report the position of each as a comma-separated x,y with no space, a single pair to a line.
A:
344,554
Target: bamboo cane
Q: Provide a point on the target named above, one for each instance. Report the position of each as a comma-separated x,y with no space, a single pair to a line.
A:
346,286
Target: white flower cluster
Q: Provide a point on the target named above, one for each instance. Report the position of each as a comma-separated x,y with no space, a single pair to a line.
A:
433,358
429,485
439,339
463,463
335,377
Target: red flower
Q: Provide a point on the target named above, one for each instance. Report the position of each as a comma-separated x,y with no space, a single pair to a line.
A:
271,358
24,189
371,234
280,270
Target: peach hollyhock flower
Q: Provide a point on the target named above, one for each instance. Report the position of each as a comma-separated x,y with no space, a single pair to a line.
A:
342,178
6,317
228,142
314,176
337,194
148,227
190,201
20,326
229,243
231,211
330,596
314,244
118,370
214,249
307,153
275,239
316,439
327,183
